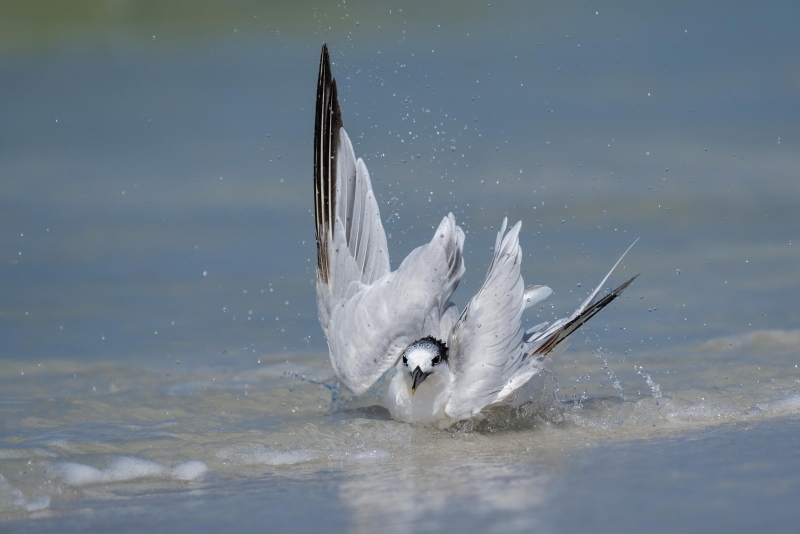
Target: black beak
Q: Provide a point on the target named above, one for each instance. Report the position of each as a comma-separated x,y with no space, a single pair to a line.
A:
417,377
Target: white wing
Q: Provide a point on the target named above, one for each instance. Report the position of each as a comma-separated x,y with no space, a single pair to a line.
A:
369,314
487,346
490,354
343,193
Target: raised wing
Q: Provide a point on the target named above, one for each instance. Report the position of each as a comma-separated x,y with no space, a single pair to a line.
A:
490,354
486,345
369,314
343,193
545,341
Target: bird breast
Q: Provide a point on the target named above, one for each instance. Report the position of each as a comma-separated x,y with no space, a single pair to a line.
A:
428,402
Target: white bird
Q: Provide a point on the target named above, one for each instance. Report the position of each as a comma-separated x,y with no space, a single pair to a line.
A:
448,367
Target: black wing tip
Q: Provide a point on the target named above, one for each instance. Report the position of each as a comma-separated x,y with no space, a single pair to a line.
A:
599,305
327,123
327,83
325,62
622,287
571,327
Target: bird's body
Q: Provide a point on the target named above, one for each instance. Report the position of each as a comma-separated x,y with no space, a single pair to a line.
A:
448,366
427,404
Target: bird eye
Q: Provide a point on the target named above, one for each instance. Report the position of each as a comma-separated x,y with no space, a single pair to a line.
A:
405,360
437,360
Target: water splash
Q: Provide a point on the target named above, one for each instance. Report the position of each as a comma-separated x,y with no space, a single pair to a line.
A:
655,389
611,376
334,389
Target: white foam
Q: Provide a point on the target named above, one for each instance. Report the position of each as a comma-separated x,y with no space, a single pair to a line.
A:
191,470
79,474
127,468
12,498
261,455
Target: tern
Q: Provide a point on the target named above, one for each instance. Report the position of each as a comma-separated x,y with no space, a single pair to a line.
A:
449,366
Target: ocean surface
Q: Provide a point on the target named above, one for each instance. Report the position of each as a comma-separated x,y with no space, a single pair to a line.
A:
162,367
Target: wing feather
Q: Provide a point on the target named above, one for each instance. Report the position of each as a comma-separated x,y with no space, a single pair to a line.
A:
368,313
490,354
486,343
327,122
547,340
343,193
371,327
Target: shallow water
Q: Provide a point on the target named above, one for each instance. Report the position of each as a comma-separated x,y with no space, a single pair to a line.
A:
162,366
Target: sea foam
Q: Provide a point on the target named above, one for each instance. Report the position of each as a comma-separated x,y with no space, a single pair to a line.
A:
127,468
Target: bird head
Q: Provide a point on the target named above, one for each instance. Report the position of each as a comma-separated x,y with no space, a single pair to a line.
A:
422,358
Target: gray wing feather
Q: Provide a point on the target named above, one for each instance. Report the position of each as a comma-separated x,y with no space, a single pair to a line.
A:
371,326
535,294
363,233
486,344
369,314
342,195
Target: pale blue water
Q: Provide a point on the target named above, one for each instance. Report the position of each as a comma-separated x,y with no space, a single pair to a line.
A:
160,348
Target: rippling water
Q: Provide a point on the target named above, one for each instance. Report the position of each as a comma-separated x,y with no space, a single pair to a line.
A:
162,364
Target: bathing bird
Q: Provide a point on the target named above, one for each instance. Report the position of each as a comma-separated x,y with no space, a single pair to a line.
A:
448,365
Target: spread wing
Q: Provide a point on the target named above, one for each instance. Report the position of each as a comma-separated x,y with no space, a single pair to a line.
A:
490,354
342,194
369,314
487,345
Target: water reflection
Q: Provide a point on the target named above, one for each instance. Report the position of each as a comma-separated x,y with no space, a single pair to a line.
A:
447,492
